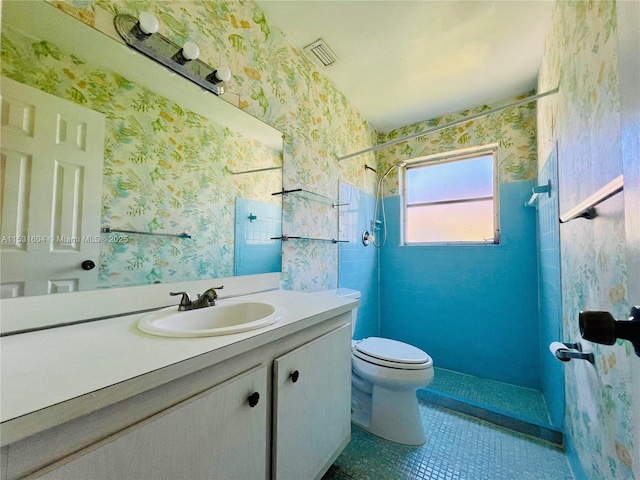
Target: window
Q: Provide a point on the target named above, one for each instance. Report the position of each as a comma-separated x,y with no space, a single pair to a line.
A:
452,199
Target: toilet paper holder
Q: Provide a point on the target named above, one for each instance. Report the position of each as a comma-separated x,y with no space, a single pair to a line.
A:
573,351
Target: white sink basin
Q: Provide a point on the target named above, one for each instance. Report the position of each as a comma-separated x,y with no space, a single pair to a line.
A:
223,319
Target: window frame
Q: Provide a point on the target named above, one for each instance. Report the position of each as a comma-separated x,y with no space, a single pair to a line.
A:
446,157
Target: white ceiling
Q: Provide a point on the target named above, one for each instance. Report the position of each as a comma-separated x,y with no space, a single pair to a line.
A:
405,61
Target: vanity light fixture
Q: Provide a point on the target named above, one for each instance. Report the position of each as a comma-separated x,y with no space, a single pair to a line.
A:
141,35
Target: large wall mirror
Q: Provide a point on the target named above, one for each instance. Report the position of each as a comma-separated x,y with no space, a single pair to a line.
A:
117,172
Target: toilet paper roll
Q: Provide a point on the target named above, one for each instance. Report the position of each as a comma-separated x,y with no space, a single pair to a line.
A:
555,347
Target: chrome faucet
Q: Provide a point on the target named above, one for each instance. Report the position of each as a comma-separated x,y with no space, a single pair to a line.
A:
206,299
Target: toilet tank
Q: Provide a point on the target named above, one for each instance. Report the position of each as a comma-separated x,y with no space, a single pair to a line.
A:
345,293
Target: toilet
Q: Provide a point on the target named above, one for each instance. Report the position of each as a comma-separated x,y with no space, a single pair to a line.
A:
385,376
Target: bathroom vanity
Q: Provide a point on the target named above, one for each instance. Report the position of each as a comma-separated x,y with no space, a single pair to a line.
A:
105,400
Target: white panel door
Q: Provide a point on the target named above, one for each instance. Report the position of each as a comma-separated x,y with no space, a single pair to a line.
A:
313,407
51,188
218,434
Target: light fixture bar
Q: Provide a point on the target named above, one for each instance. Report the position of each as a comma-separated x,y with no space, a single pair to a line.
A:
182,60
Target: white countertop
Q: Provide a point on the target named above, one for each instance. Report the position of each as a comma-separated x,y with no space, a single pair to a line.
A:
49,367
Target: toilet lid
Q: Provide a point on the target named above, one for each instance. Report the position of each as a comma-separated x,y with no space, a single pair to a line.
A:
392,351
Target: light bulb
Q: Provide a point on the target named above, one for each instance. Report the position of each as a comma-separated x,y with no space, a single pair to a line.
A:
223,74
190,50
148,23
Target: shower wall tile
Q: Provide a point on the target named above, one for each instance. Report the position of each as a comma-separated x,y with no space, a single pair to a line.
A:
474,309
358,265
552,371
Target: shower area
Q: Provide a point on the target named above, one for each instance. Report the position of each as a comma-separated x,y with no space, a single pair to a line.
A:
484,313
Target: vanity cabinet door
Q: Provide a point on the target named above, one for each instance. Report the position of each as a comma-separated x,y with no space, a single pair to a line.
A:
220,433
312,411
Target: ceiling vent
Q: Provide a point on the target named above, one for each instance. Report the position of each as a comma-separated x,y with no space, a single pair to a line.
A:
320,53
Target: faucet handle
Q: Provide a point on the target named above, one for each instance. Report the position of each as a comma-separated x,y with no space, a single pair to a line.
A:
211,292
210,295
185,301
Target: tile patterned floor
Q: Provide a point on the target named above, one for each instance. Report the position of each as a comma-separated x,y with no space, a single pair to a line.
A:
523,402
458,448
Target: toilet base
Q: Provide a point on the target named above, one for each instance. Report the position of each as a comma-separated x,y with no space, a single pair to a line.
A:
390,414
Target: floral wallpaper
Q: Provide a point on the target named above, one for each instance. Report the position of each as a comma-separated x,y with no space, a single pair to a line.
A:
581,58
273,82
513,129
166,169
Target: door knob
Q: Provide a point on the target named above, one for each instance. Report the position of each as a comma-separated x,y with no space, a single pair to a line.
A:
88,265
601,327
294,376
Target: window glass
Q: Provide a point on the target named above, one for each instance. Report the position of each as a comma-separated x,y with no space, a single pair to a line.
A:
451,201
451,222
468,178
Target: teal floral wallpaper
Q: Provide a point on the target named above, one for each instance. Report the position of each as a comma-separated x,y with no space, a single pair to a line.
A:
513,129
581,58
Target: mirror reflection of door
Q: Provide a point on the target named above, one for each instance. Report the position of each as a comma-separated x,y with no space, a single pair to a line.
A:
51,185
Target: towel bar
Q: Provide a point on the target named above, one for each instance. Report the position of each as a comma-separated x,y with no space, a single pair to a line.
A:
585,209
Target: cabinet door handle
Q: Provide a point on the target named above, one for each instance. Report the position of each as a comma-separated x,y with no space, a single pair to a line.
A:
294,376
253,399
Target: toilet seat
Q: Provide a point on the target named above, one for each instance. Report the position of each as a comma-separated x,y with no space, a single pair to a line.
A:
391,353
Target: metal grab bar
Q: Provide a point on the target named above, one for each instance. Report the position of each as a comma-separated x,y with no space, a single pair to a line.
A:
255,170
116,230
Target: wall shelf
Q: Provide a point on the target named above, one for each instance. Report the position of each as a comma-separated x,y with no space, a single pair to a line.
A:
303,204
285,238
315,197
